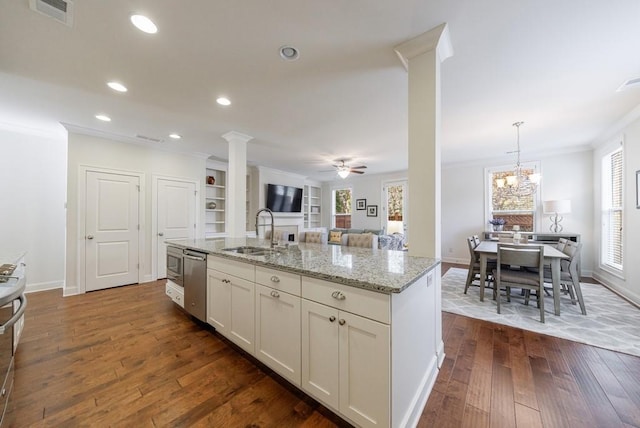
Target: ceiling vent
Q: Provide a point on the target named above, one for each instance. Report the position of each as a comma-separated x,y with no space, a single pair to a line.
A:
149,139
60,10
629,84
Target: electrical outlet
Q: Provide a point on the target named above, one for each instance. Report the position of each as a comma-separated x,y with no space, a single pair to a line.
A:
450,250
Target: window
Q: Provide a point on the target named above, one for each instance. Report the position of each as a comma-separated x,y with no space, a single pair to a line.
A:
503,202
342,208
612,250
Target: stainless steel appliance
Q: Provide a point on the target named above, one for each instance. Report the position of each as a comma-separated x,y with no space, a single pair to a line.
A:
195,283
12,307
175,265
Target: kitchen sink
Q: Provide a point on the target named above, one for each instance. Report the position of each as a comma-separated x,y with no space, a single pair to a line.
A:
251,251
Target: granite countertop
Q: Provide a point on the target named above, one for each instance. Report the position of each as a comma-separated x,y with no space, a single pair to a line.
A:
377,270
15,284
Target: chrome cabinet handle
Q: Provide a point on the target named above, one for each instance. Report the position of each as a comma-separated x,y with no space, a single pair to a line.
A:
338,295
275,279
332,318
341,322
274,293
89,236
160,234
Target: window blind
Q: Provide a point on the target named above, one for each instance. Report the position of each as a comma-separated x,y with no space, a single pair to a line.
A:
612,251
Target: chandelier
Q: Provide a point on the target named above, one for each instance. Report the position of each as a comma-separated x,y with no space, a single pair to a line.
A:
519,183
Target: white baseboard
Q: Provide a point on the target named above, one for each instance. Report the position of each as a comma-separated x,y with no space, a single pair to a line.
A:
440,354
420,399
632,298
455,261
70,291
42,286
147,278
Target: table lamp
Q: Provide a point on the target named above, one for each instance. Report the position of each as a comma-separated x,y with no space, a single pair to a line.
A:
556,207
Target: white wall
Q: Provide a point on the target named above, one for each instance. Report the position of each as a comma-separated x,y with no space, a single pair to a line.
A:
367,186
273,176
103,153
33,188
629,284
564,176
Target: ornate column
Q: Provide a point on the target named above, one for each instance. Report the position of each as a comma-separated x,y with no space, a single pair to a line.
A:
236,216
422,56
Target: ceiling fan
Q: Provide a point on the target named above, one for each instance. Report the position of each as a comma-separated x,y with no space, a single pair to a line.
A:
344,170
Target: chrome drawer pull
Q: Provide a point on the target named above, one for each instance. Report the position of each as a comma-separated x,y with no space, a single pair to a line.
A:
275,279
274,293
338,295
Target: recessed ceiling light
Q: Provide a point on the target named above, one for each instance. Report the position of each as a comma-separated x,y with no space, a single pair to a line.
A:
143,23
289,53
175,136
103,117
117,86
223,101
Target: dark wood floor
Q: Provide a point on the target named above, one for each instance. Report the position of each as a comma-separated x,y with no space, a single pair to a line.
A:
129,357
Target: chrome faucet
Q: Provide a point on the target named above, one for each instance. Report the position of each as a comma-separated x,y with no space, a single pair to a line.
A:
273,242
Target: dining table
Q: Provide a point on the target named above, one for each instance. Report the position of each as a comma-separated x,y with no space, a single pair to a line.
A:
488,250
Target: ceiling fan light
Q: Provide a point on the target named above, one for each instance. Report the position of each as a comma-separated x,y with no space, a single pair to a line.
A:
343,173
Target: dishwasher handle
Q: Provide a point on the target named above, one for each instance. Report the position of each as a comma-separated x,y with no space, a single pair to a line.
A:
193,255
11,321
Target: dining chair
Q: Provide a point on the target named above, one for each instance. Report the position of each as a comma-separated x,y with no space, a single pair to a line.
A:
506,277
562,242
569,278
474,265
476,240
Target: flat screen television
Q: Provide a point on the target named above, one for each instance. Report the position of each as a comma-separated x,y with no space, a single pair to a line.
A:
284,199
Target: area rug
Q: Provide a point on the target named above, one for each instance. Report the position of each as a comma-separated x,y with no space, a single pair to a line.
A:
610,323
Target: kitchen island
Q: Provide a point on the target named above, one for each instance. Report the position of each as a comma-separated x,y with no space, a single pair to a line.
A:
354,328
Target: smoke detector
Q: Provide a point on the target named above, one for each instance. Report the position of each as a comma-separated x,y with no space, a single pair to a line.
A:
60,10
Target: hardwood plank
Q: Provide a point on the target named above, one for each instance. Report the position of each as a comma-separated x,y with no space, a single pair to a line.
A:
552,411
523,385
479,389
527,417
475,418
502,404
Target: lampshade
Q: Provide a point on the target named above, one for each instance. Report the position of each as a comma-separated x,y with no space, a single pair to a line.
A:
560,206
343,173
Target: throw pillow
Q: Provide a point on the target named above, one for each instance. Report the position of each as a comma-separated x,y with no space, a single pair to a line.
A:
335,237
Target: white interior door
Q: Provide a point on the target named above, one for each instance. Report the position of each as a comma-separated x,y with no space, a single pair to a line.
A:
111,230
176,216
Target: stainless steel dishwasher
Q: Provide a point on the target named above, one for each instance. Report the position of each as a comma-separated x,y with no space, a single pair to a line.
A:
195,283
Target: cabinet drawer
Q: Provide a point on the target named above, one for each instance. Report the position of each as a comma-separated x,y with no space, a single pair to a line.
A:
175,292
285,281
240,269
351,299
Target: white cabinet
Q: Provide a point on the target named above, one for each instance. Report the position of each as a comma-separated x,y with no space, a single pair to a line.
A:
215,200
346,363
311,206
230,307
278,331
175,292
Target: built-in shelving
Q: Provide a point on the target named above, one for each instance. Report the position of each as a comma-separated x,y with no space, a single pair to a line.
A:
311,207
216,193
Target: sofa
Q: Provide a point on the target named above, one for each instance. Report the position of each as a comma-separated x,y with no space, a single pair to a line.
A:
363,238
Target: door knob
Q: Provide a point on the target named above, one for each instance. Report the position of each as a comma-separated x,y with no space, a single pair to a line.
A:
160,234
89,236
